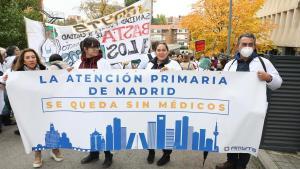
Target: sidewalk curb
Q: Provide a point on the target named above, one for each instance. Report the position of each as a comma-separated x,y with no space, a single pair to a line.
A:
266,160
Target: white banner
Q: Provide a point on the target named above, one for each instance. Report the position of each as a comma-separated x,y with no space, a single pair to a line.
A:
123,35
92,110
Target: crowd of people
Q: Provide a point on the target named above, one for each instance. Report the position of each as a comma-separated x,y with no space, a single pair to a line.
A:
188,61
246,59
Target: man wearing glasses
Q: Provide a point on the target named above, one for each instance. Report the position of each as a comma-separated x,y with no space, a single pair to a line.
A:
247,60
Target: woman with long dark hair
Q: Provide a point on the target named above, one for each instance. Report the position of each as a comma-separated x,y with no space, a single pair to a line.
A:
162,62
30,61
91,58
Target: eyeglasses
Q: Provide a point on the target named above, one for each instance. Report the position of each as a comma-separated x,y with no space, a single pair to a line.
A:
94,49
247,44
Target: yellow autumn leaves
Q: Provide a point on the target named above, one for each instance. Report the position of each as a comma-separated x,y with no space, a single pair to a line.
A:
209,21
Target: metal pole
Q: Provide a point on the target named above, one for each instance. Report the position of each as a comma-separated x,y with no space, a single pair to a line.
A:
41,6
229,28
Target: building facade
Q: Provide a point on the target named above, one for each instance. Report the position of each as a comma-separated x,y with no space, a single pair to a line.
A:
172,34
285,14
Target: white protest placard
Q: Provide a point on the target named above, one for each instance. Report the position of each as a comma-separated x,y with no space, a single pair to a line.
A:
123,35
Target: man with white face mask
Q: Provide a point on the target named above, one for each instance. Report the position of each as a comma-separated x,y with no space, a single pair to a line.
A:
247,60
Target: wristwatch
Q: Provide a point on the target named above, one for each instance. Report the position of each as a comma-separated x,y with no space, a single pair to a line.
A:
268,81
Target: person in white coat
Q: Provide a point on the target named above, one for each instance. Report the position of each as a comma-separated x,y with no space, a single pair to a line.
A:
247,60
2,88
30,61
56,63
162,60
12,54
91,58
163,63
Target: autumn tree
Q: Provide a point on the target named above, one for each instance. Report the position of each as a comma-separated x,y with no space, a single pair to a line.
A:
98,8
209,22
70,21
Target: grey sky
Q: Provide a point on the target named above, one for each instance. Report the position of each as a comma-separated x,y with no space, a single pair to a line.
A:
167,7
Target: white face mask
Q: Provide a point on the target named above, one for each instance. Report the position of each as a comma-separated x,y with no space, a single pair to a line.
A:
246,51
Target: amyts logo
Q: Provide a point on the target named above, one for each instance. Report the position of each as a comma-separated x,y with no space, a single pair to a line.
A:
239,148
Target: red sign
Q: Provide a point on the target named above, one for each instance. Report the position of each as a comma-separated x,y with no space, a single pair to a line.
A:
200,45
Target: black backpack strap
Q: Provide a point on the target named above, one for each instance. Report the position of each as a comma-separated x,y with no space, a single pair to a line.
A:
57,65
262,63
149,56
231,64
269,91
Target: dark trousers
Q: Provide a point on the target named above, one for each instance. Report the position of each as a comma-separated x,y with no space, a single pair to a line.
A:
96,153
7,108
240,159
165,151
6,111
0,123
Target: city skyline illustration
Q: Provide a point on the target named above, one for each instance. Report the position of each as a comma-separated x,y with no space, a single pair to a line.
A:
158,136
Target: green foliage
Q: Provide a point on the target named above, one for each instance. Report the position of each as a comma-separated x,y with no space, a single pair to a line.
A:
130,2
159,20
12,25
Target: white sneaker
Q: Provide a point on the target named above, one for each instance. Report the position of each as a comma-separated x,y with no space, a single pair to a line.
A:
56,158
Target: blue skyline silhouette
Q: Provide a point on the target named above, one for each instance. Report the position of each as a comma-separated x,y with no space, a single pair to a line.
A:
182,137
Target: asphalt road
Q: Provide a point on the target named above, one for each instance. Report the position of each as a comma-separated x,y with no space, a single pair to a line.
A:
12,156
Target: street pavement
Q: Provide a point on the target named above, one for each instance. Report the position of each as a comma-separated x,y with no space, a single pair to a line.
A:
279,160
13,156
